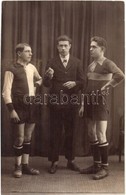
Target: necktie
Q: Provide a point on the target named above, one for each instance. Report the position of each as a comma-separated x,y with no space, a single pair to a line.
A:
65,63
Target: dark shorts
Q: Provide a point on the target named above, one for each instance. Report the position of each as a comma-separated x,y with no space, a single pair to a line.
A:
26,110
96,110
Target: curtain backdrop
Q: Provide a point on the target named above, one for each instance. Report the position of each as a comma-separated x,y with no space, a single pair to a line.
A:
39,23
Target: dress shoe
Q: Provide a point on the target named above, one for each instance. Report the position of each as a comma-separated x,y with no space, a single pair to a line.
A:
91,170
53,168
72,166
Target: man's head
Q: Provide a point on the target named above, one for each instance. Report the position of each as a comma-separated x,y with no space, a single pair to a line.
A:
97,47
23,52
63,45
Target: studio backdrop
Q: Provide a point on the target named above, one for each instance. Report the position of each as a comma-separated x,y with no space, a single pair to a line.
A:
39,23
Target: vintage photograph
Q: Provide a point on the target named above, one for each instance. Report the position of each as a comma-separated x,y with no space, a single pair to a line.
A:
62,97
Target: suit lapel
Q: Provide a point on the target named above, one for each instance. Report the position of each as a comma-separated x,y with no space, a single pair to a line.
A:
69,63
60,64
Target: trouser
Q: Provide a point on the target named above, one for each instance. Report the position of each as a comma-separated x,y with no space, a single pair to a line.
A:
59,119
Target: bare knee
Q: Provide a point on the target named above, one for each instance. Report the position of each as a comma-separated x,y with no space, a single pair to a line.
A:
92,136
92,130
27,138
101,131
101,138
19,140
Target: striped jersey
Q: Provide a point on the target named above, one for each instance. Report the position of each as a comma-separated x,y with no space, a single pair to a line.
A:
20,80
101,73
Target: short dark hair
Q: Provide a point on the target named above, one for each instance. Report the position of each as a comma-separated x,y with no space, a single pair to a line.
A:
64,38
100,41
20,47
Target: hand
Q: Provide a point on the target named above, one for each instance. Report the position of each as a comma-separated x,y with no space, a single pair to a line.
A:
14,116
81,111
49,73
69,84
105,89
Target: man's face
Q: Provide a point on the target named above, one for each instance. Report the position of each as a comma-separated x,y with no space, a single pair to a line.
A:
63,47
95,50
26,54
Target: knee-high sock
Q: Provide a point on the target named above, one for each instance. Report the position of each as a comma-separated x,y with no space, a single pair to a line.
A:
96,151
26,147
18,150
18,154
104,153
26,152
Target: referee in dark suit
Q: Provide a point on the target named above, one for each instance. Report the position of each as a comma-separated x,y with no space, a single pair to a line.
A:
64,75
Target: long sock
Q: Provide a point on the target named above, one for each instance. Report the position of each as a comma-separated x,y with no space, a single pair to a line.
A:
25,159
96,152
26,152
104,153
18,160
18,154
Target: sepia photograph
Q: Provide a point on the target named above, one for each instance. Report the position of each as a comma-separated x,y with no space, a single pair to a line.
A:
62,97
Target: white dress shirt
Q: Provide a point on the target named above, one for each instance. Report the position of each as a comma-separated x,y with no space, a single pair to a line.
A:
65,59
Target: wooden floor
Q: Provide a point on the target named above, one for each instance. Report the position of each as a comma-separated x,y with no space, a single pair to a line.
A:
64,181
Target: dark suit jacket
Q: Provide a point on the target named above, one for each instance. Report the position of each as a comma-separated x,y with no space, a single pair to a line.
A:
73,72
